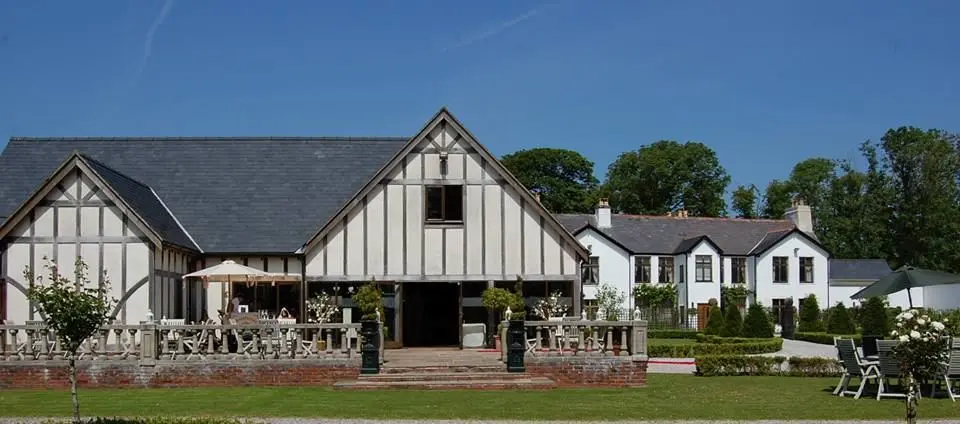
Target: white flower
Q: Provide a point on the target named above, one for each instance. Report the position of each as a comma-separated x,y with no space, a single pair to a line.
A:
899,324
906,316
912,312
937,326
904,338
926,317
945,320
893,333
914,334
921,321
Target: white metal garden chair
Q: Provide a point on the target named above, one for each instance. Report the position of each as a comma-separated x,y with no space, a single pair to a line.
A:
196,345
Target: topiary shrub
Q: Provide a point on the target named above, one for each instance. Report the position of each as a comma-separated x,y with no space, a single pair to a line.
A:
874,318
714,321
810,321
732,322
757,325
839,321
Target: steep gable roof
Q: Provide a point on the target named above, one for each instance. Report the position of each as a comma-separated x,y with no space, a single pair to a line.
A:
75,162
858,269
663,235
145,203
444,117
232,194
772,238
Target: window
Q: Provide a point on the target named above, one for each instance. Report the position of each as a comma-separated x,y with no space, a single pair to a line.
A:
780,268
641,272
444,204
779,309
665,266
704,271
683,275
591,271
738,271
590,306
806,270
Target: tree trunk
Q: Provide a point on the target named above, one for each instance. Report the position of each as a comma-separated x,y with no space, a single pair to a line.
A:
73,389
911,399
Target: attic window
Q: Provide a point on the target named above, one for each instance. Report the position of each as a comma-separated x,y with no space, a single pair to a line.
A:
443,204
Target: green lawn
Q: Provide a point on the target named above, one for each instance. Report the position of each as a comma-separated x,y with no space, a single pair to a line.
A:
666,397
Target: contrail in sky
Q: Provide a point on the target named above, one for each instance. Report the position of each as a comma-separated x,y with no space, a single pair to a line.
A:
496,29
148,41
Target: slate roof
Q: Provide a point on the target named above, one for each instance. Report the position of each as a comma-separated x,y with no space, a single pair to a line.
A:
641,234
858,269
144,202
231,194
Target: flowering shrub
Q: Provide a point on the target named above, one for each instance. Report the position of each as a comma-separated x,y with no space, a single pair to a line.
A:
921,352
550,307
321,308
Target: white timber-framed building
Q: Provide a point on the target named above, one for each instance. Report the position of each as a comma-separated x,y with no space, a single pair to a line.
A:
435,219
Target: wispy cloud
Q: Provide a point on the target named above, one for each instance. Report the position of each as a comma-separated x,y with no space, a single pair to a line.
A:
148,40
496,29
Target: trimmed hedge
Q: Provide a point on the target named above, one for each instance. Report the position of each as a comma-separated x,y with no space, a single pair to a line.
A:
703,338
672,334
718,346
825,338
741,365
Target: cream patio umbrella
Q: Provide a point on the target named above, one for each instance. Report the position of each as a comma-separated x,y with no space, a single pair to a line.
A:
229,272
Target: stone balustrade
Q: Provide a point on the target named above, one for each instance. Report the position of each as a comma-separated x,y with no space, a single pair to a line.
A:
582,337
149,342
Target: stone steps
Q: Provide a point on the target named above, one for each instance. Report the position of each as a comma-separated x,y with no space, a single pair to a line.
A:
444,376
451,383
443,369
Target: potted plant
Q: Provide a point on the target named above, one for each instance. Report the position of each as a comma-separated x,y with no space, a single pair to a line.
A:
498,300
322,308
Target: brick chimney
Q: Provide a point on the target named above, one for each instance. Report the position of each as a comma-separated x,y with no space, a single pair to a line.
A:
603,214
800,215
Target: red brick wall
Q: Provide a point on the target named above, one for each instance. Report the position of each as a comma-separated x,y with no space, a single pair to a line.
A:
590,371
202,373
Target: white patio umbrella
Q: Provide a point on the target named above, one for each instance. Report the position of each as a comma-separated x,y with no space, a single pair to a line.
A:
229,272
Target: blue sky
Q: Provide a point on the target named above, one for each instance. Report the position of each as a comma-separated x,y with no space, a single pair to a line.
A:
764,83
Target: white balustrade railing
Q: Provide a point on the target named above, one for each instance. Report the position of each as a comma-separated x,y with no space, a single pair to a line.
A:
581,337
265,340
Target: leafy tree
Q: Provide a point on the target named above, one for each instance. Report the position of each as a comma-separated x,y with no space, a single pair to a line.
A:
757,323
732,322
610,300
369,299
776,199
744,201
809,180
714,321
563,178
924,166
73,308
498,300
810,321
874,319
667,176
839,321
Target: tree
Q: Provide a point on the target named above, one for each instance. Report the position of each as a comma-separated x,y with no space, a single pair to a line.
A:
744,201
925,227
776,199
810,321
498,300
563,178
757,323
809,180
714,321
610,300
839,321
732,322
873,319
72,309
667,176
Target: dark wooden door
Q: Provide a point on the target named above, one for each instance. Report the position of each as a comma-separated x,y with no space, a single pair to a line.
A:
703,312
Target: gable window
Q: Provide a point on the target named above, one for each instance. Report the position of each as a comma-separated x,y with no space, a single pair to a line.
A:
641,270
806,270
738,270
444,204
591,271
665,266
704,271
780,269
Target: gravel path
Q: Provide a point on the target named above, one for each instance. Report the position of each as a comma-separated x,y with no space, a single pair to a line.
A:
805,349
348,421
